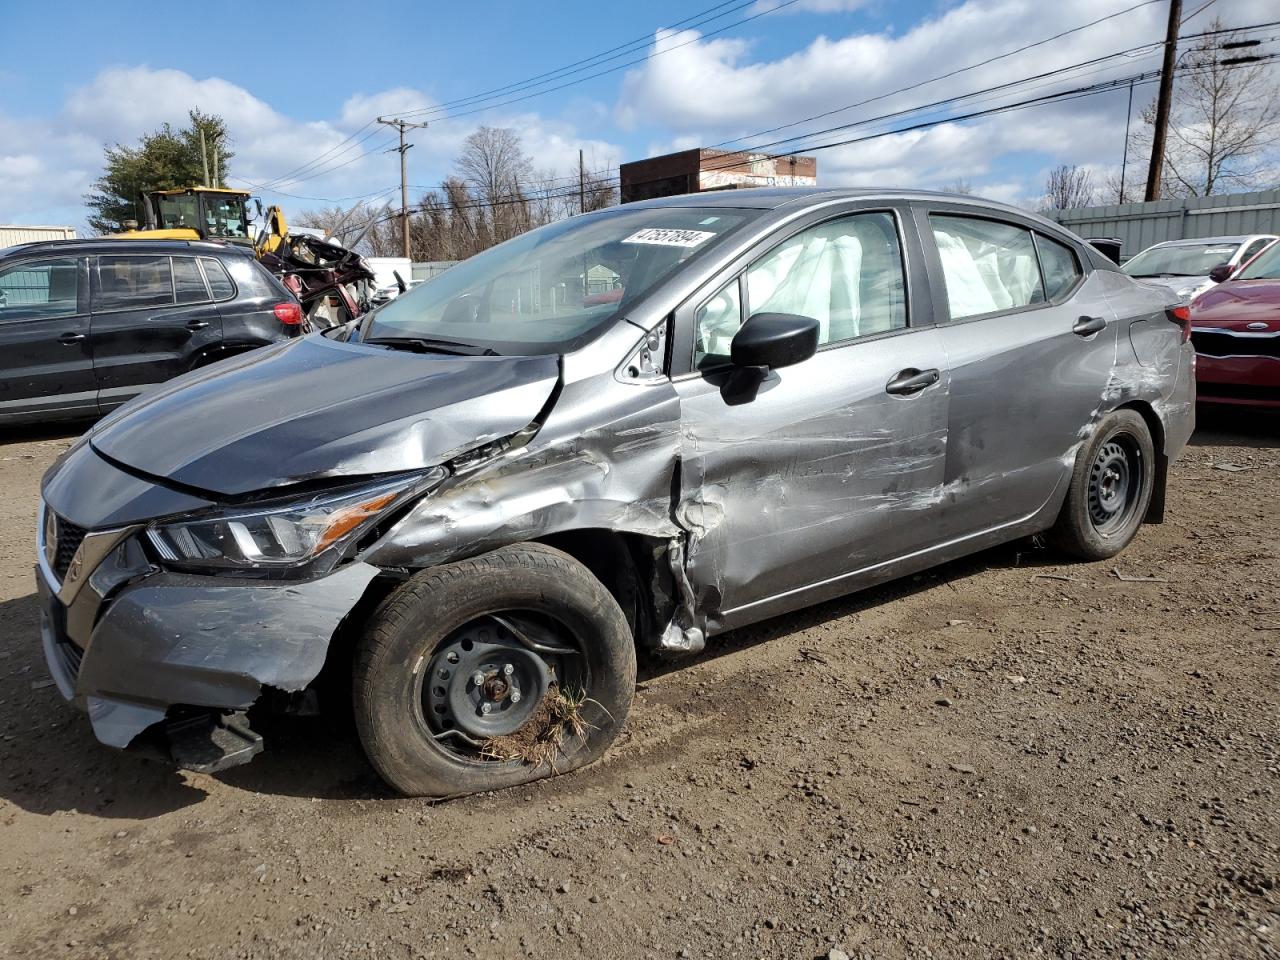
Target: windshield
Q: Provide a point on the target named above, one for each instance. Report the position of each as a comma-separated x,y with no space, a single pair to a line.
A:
1182,260
1265,266
224,216
549,290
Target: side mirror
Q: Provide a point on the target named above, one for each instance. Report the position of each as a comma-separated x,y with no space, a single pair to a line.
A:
774,340
1219,273
400,284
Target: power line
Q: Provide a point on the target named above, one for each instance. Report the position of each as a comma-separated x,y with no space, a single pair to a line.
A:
601,73
431,111
259,186
1152,46
948,75
587,63
552,74
1063,95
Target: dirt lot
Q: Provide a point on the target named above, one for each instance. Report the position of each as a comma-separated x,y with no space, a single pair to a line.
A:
1005,758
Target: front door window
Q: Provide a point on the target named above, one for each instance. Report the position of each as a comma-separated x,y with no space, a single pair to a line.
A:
847,274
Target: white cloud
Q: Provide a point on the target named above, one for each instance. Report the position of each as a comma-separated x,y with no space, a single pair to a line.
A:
712,90
47,165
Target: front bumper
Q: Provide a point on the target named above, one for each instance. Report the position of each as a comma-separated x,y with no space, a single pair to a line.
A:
1244,380
132,642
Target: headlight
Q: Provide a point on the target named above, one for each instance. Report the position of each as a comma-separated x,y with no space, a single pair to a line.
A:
285,534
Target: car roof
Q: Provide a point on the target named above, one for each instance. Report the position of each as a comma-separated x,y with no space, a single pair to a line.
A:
796,198
771,198
108,245
1191,241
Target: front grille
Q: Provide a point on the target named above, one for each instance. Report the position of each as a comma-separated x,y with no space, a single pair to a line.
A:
1237,391
1213,344
69,537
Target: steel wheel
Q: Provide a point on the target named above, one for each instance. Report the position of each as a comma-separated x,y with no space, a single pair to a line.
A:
488,680
435,704
1110,488
1115,480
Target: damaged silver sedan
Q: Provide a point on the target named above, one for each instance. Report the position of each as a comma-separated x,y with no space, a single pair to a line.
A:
632,429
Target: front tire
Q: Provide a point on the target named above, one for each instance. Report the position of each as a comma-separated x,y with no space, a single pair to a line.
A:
492,672
1110,490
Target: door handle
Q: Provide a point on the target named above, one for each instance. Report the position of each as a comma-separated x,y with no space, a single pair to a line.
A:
1088,326
70,338
911,381
197,324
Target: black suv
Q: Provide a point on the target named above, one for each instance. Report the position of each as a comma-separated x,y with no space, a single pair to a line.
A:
87,324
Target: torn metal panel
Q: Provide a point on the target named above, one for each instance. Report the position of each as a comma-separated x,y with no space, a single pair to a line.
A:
604,458
117,722
213,642
819,465
315,408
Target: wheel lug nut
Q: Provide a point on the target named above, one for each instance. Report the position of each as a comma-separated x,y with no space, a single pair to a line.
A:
477,678
486,707
515,696
508,670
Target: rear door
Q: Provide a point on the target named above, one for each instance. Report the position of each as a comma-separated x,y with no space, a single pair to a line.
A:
47,364
1030,339
153,318
829,467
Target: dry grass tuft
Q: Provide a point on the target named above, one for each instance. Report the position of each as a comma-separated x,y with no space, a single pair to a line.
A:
540,740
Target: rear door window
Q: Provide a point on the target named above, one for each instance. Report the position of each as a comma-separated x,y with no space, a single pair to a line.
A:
40,289
133,282
220,284
1059,265
989,267
188,281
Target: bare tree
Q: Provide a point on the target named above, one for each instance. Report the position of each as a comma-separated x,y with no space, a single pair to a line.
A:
601,191
494,165
959,185
1068,186
342,224
495,194
1223,125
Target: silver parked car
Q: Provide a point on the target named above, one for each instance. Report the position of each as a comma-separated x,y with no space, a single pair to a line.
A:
636,428
1190,267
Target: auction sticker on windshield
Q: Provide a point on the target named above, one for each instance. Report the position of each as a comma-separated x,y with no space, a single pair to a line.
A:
666,237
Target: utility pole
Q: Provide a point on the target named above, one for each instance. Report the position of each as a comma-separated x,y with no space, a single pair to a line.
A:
1124,164
204,158
582,185
1156,170
402,126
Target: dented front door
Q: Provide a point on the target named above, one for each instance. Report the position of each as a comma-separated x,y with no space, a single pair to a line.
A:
823,473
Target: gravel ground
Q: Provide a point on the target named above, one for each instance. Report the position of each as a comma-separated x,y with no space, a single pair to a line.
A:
1007,757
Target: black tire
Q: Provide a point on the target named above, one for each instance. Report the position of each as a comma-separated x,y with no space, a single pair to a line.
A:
404,711
1110,490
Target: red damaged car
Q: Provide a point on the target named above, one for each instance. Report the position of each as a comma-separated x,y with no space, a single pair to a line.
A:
1235,327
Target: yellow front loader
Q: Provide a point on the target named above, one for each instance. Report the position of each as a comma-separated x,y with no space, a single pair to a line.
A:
209,213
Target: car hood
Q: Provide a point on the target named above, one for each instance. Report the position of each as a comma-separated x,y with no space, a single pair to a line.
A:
314,408
1239,300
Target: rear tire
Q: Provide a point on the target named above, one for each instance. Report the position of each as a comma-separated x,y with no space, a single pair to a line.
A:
1110,490
430,695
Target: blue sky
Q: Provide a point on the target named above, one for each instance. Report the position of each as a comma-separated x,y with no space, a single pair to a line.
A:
295,88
